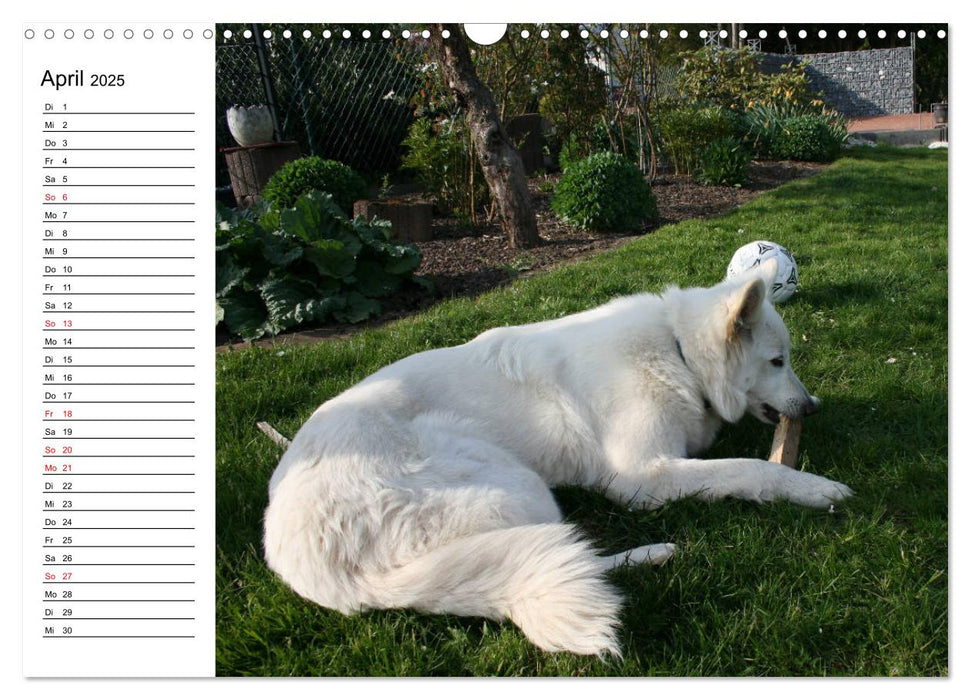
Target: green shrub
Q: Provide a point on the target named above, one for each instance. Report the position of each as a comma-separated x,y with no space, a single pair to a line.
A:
606,136
618,137
303,175
794,132
734,79
685,131
724,162
804,138
572,151
279,267
604,192
442,157
759,126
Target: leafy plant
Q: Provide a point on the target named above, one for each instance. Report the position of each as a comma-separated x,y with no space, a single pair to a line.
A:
734,79
718,76
618,137
724,162
572,151
686,130
277,267
633,61
606,136
604,192
443,158
303,175
806,137
760,124
546,184
794,132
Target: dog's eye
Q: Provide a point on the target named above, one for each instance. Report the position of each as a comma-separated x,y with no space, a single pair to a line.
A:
778,362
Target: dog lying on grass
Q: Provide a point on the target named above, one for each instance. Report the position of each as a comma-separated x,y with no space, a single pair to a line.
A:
427,485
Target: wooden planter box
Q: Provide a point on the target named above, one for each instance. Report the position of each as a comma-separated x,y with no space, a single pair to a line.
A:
250,167
411,222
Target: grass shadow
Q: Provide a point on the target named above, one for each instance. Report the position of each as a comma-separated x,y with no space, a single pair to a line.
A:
832,295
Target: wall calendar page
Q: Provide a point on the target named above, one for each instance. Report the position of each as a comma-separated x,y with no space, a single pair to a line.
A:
411,349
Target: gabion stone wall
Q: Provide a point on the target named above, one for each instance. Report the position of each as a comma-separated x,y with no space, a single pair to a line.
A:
858,83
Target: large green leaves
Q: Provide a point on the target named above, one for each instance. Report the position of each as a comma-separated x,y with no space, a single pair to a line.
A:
373,280
312,217
244,313
357,308
279,268
331,258
291,301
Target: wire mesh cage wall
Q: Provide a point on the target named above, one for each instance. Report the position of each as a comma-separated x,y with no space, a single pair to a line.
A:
345,99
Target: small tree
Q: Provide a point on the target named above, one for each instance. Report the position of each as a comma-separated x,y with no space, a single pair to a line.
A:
501,165
632,66
553,77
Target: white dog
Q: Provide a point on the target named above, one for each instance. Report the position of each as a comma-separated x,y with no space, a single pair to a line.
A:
427,485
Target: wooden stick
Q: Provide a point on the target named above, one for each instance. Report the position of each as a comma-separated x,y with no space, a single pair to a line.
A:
273,434
785,442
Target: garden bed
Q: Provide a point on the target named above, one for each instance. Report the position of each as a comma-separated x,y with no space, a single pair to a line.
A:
466,260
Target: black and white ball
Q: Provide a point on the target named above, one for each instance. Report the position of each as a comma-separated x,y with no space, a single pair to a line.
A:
755,253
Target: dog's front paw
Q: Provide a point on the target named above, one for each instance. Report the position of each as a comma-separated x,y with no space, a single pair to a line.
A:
813,490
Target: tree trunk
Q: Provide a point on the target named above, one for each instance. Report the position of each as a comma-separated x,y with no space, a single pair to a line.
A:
501,165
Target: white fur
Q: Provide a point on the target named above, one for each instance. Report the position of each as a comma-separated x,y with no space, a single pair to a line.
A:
427,484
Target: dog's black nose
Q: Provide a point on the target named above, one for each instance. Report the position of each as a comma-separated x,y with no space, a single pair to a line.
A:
811,406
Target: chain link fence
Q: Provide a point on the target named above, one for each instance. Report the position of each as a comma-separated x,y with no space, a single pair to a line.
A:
346,99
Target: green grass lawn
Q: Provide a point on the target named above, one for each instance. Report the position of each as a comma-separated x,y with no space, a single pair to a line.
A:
754,590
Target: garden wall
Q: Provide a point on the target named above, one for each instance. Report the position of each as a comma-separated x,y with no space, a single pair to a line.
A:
858,83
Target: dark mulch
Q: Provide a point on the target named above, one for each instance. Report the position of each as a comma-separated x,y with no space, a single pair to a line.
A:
468,259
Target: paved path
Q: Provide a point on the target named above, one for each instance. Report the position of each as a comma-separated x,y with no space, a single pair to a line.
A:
893,122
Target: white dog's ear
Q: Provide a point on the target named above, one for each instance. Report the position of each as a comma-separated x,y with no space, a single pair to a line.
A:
745,307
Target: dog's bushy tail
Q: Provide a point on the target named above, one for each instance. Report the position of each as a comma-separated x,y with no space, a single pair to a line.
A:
542,577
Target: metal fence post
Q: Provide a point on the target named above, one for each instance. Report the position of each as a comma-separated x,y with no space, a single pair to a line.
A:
301,79
913,72
268,90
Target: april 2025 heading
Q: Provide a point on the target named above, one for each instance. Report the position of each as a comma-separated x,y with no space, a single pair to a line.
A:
77,79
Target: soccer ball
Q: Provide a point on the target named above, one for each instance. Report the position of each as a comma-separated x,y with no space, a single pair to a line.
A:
755,253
